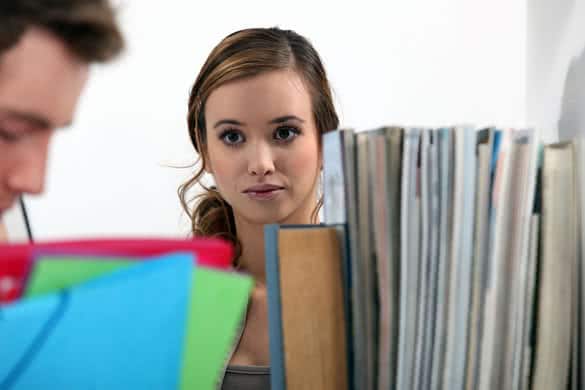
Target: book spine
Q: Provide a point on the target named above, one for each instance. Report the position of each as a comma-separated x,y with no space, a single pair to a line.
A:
277,368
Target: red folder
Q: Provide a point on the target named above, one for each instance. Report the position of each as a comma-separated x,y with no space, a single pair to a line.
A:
16,259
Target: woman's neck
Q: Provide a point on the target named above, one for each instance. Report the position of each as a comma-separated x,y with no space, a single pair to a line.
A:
252,259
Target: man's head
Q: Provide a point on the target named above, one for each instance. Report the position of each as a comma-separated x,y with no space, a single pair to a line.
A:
46,48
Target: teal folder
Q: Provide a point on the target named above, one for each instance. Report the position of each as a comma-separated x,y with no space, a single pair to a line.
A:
217,308
124,330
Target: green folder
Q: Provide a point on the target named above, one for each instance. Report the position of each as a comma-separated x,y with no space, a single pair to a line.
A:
218,304
53,273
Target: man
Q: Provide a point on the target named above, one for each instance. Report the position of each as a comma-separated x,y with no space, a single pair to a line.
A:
46,48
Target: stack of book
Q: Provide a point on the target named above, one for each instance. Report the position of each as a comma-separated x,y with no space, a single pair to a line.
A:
457,263
118,314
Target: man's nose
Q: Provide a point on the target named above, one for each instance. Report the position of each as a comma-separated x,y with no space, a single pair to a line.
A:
28,172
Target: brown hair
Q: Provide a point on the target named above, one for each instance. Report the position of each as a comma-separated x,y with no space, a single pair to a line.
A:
242,54
87,27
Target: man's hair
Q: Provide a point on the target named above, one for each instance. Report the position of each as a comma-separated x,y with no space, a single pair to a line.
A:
87,27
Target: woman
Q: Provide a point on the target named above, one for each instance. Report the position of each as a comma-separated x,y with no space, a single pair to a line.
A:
257,111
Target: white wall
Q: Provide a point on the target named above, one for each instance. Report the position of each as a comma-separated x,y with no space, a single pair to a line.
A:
556,67
427,62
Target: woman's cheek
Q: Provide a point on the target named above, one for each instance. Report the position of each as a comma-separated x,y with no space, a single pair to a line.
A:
223,170
304,162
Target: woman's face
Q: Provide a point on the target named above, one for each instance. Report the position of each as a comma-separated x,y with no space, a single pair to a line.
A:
263,147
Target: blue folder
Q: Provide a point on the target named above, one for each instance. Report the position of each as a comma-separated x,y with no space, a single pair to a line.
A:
125,330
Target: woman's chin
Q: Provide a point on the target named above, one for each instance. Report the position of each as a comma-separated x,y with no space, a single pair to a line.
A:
265,217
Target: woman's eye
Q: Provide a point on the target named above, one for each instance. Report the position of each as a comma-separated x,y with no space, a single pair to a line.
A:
231,137
286,133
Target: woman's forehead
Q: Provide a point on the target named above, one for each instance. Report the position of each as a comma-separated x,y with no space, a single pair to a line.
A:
260,98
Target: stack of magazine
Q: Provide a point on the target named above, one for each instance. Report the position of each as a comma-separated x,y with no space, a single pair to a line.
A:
464,257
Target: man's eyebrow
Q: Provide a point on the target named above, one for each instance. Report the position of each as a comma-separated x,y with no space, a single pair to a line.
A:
33,119
286,118
228,122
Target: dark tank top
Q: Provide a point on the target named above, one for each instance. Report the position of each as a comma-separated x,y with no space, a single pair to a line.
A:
246,378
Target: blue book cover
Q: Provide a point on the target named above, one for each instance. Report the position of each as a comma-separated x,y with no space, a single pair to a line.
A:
277,369
271,242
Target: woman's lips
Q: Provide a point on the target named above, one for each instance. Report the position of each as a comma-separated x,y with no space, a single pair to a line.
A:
263,191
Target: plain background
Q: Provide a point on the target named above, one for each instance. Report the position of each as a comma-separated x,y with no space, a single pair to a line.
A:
408,62
556,71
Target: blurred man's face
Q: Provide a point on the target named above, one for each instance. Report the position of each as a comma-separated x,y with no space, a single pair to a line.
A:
40,83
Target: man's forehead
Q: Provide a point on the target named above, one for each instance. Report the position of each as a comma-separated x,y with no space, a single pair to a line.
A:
40,81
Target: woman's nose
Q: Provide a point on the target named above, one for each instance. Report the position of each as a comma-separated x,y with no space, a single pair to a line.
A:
261,160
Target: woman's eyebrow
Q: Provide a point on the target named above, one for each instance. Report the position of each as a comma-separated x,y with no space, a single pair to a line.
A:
280,119
228,122
286,118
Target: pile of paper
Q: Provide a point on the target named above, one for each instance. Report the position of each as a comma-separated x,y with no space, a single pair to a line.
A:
118,314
